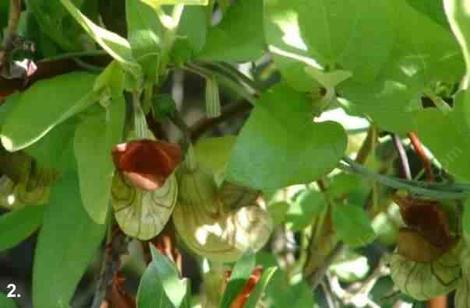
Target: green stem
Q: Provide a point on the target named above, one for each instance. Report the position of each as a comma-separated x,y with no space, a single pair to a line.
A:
438,102
436,191
77,54
140,124
148,94
235,86
222,68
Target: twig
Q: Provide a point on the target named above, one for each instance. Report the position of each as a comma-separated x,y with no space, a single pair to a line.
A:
316,277
115,246
228,112
314,273
330,301
405,165
422,155
366,146
179,122
76,54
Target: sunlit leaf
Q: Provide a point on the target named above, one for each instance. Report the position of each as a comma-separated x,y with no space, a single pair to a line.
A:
144,35
445,135
328,34
458,15
40,108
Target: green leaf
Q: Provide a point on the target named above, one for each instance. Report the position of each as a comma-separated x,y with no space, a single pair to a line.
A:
175,288
432,9
278,211
192,33
285,41
240,274
390,104
338,32
45,151
352,225
425,56
239,36
6,302
151,293
214,153
459,18
115,45
279,145
329,34
260,288
66,244
17,225
160,285
280,293
43,106
144,35
419,60
56,23
94,139
446,136
3,14
307,206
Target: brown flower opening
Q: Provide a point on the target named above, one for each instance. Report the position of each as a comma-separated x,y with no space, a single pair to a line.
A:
427,234
147,163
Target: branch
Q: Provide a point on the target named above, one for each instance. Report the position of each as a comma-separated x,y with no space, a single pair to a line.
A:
10,35
405,165
315,271
366,146
115,246
316,276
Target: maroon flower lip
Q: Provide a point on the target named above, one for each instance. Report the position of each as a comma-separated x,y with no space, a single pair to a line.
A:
147,163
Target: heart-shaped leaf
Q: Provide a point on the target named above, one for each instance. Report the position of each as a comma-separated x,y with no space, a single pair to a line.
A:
280,145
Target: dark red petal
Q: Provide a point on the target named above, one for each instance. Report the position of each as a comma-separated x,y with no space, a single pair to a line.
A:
147,163
427,217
